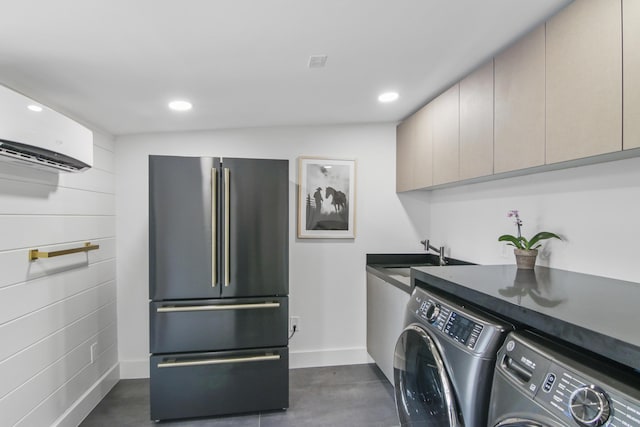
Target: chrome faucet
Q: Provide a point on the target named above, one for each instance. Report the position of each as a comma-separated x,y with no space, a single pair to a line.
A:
439,250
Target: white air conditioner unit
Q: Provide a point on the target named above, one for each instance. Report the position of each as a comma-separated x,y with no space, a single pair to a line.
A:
35,135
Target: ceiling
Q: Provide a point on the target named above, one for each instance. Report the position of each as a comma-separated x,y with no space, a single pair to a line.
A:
115,64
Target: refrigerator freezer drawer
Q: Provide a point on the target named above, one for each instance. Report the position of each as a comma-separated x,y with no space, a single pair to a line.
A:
218,383
220,324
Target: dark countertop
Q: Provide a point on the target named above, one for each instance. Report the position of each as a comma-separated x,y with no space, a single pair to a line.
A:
395,268
595,313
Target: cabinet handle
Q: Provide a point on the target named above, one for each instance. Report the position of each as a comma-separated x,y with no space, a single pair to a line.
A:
220,307
227,186
219,361
214,228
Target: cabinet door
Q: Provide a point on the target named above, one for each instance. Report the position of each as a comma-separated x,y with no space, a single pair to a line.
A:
180,228
631,73
520,104
404,154
255,233
423,146
476,123
446,127
584,81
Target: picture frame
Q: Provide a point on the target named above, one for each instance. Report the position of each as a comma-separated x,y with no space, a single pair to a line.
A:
326,198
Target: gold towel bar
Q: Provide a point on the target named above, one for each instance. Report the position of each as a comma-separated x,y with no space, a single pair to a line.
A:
34,254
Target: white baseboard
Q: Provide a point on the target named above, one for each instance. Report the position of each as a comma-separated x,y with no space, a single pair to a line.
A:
85,404
332,357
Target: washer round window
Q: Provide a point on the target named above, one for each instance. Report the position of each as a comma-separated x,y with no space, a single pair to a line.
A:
424,396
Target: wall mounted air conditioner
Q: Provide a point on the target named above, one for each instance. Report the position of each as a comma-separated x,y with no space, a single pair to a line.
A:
35,135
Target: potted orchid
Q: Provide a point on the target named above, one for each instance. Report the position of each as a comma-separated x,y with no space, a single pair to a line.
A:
526,250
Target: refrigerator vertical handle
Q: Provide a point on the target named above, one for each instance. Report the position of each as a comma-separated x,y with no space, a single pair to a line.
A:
227,264
214,227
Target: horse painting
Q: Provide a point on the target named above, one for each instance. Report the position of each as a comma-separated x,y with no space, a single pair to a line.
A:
338,198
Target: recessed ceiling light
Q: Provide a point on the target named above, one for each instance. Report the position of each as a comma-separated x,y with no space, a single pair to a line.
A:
35,108
388,97
179,105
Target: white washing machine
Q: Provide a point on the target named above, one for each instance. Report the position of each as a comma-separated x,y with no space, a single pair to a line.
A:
538,383
444,362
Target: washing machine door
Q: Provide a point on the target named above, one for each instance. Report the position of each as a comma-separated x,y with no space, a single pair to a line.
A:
424,396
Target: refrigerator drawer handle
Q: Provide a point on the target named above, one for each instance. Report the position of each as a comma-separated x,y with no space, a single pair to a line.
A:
221,361
217,307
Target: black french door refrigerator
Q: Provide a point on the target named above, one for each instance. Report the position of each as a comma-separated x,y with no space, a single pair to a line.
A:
218,286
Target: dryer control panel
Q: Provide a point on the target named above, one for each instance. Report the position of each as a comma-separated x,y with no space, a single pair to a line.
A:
458,323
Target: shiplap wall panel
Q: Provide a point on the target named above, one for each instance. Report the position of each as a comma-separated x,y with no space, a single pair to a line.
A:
103,159
32,327
38,389
72,391
24,198
94,179
16,267
53,310
36,294
103,141
21,232
18,369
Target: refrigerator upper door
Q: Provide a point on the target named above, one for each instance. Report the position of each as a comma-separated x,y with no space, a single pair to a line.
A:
255,227
181,252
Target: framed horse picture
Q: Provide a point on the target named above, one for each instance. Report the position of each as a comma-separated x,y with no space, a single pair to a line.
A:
326,198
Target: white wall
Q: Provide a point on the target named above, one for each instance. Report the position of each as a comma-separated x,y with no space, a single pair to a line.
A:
52,310
327,277
594,208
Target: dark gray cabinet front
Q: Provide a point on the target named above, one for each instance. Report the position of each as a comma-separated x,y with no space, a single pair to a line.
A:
222,324
206,384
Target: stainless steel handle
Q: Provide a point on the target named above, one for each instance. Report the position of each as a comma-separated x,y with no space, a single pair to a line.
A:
214,228
220,361
227,264
183,308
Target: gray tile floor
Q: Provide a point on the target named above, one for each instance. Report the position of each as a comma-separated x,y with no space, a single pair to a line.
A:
340,396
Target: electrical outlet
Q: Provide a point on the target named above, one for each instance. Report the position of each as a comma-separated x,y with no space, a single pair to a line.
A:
294,321
94,351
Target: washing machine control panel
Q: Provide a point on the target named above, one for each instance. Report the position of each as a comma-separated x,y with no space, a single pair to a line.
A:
451,323
573,396
569,394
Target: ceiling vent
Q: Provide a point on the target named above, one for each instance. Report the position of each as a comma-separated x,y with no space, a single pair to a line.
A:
34,135
317,61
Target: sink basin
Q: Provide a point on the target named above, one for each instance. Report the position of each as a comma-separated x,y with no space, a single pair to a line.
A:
398,271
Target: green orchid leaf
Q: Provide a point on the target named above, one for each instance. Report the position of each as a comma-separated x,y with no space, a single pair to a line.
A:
543,235
513,240
524,243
